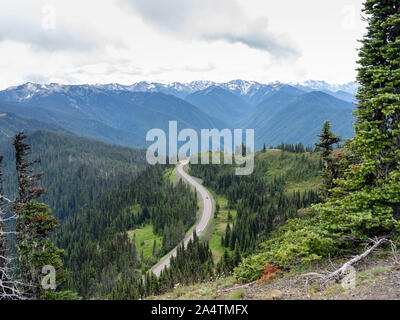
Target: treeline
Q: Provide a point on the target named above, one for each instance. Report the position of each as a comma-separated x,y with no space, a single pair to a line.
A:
99,252
297,148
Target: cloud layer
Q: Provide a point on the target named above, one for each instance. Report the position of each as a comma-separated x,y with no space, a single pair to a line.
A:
212,20
29,22
128,41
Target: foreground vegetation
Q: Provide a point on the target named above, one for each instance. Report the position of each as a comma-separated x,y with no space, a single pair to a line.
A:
361,190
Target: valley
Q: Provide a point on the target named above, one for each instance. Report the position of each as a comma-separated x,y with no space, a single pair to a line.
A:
123,222
186,150
205,215
122,115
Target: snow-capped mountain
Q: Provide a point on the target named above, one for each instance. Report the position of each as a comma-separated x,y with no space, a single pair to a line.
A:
123,114
251,91
316,85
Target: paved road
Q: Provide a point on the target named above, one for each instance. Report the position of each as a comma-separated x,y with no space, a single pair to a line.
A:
206,211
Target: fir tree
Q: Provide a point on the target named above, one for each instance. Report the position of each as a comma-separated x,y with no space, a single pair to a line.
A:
377,140
237,257
155,248
227,236
330,170
34,223
366,200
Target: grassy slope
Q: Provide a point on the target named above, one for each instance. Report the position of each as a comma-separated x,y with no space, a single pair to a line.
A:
376,278
278,165
145,239
287,163
144,236
217,227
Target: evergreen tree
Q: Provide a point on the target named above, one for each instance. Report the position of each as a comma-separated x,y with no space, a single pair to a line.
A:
375,175
227,235
237,257
365,202
217,207
155,248
369,193
328,139
330,170
34,223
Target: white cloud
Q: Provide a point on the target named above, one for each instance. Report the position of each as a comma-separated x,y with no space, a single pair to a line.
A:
127,41
31,23
212,20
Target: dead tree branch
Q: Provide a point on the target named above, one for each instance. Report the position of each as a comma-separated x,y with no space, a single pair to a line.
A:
340,273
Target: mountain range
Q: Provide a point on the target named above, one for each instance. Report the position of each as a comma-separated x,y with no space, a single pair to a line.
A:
123,114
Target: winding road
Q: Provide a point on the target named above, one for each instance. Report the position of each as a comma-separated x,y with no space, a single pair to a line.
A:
206,211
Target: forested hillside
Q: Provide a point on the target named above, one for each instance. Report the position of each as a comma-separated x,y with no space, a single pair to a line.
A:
361,186
112,116
102,194
76,171
10,124
99,253
248,210
282,183
124,114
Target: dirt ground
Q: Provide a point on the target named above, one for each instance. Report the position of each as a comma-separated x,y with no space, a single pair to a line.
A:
375,279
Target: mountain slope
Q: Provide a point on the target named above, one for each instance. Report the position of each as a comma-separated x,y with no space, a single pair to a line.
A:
121,117
219,103
272,105
47,119
302,119
343,95
76,171
11,124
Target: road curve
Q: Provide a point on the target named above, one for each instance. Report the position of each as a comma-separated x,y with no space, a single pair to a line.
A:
206,212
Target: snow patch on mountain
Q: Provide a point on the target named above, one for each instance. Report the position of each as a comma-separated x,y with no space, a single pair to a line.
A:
239,87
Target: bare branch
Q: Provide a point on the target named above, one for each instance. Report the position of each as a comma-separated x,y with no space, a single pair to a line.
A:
340,273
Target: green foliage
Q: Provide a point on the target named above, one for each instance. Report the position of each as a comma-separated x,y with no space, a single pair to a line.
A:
192,264
365,200
100,254
61,295
77,172
261,199
331,168
298,241
34,225
237,294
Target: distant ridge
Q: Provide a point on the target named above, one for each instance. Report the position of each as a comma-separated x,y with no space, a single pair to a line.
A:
123,114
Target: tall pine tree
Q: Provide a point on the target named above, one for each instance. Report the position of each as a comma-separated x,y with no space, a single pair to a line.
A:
330,170
34,224
367,198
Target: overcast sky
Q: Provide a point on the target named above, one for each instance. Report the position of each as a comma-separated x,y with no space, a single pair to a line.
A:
126,41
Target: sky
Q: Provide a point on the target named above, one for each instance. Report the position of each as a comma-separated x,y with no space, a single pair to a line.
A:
127,41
